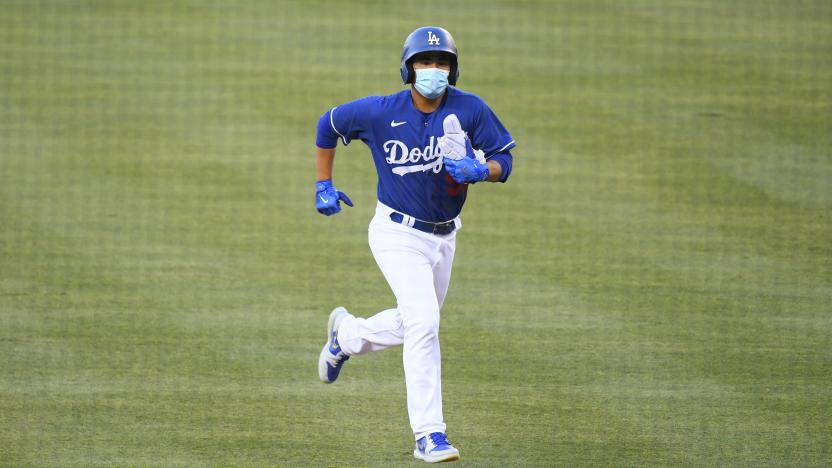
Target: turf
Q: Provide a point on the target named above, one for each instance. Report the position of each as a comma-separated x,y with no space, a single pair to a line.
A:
652,287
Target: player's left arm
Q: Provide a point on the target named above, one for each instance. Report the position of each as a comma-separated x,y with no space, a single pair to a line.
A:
492,138
499,167
490,161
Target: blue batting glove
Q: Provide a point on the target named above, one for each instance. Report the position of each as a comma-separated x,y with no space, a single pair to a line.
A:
328,198
467,170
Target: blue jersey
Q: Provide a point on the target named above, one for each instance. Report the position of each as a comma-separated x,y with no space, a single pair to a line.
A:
403,141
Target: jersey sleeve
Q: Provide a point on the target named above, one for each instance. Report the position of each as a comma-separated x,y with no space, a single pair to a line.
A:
345,122
506,162
489,135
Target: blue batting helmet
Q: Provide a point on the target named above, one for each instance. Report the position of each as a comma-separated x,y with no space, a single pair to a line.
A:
428,39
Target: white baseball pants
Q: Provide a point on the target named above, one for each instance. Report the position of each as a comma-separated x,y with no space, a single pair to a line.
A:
417,267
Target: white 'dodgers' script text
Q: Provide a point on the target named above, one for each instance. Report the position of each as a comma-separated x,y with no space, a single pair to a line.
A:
399,154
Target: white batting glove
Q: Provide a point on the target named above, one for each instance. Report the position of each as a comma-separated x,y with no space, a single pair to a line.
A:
452,143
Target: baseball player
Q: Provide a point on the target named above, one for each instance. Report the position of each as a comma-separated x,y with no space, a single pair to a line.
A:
428,142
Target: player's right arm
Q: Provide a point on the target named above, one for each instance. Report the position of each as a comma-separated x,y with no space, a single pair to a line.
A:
343,123
324,160
327,198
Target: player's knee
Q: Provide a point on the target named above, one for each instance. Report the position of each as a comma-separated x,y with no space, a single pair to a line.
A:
425,323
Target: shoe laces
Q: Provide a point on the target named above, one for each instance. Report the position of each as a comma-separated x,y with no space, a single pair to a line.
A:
439,439
340,358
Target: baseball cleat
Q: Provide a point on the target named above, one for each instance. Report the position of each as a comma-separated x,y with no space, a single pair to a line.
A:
332,357
435,448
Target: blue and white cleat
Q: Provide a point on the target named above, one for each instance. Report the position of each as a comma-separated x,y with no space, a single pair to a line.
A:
435,448
332,357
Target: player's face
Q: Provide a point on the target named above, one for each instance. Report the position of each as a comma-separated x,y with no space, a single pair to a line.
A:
432,60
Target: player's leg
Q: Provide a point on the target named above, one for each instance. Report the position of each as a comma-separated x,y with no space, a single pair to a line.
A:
406,258
434,446
381,331
409,272
384,329
422,361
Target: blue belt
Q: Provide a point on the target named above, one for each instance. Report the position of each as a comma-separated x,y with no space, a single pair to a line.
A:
441,229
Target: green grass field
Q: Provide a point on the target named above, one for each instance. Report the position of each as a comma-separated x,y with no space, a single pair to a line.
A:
652,287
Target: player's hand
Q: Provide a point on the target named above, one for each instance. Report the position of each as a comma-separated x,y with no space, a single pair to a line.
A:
469,169
328,198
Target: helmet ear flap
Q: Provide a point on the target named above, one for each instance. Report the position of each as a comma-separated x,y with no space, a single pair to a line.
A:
404,72
408,75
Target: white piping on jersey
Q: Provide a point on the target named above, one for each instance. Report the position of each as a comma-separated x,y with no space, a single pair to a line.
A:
500,150
336,130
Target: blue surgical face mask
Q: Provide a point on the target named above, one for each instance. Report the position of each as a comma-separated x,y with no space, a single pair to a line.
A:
431,82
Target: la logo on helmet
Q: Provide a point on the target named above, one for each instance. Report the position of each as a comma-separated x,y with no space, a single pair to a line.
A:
432,39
